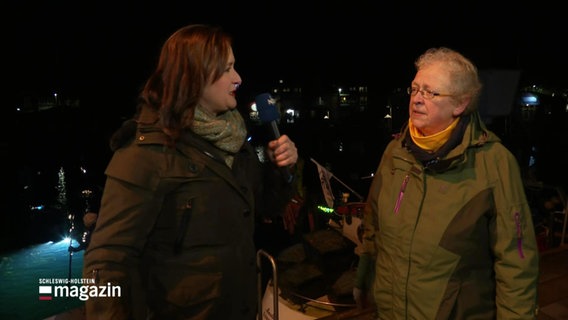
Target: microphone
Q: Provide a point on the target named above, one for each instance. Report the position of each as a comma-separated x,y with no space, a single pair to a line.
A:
267,113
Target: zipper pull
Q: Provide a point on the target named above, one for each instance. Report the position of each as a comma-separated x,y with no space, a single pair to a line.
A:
519,235
401,194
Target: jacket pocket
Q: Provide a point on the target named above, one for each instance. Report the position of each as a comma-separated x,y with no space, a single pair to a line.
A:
184,289
183,225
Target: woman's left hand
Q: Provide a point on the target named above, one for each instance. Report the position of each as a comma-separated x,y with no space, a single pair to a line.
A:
282,151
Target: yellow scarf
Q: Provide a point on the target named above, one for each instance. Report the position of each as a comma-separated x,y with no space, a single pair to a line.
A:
433,142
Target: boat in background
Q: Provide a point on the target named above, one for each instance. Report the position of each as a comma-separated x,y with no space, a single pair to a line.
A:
314,278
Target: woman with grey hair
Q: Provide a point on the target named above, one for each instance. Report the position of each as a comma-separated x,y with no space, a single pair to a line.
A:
448,232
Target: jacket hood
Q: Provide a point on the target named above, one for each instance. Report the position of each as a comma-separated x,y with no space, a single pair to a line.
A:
127,131
475,134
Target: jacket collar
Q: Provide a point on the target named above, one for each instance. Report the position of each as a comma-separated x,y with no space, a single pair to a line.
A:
470,133
191,145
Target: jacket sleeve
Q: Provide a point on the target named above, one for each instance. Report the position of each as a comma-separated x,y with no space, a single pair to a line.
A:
368,252
275,191
128,211
514,243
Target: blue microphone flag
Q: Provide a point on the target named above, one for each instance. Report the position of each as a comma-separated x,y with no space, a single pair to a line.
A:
266,108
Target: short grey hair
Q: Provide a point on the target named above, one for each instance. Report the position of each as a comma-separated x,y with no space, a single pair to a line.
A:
463,73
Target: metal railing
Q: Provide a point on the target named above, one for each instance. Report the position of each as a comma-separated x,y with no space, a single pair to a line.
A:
259,254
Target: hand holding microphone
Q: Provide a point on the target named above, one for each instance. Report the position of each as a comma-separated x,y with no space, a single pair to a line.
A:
281,149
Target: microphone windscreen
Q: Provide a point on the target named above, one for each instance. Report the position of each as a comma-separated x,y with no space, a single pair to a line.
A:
266,108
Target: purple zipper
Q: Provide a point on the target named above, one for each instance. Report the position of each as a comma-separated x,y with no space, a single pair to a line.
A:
519,235
401,194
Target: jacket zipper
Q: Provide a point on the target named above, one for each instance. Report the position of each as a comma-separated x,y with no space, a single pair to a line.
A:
519,235
401,194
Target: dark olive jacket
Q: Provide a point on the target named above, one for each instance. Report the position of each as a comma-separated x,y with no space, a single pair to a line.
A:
175,229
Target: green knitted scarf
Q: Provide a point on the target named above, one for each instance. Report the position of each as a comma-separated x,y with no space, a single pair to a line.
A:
226,131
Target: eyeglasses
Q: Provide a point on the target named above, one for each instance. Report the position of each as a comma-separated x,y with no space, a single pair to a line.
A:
426,94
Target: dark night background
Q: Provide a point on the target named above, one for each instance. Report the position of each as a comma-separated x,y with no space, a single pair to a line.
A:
105,50
102,52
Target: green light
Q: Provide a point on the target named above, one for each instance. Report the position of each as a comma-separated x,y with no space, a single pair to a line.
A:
325,209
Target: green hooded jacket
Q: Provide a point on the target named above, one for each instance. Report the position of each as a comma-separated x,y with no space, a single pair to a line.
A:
452,238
